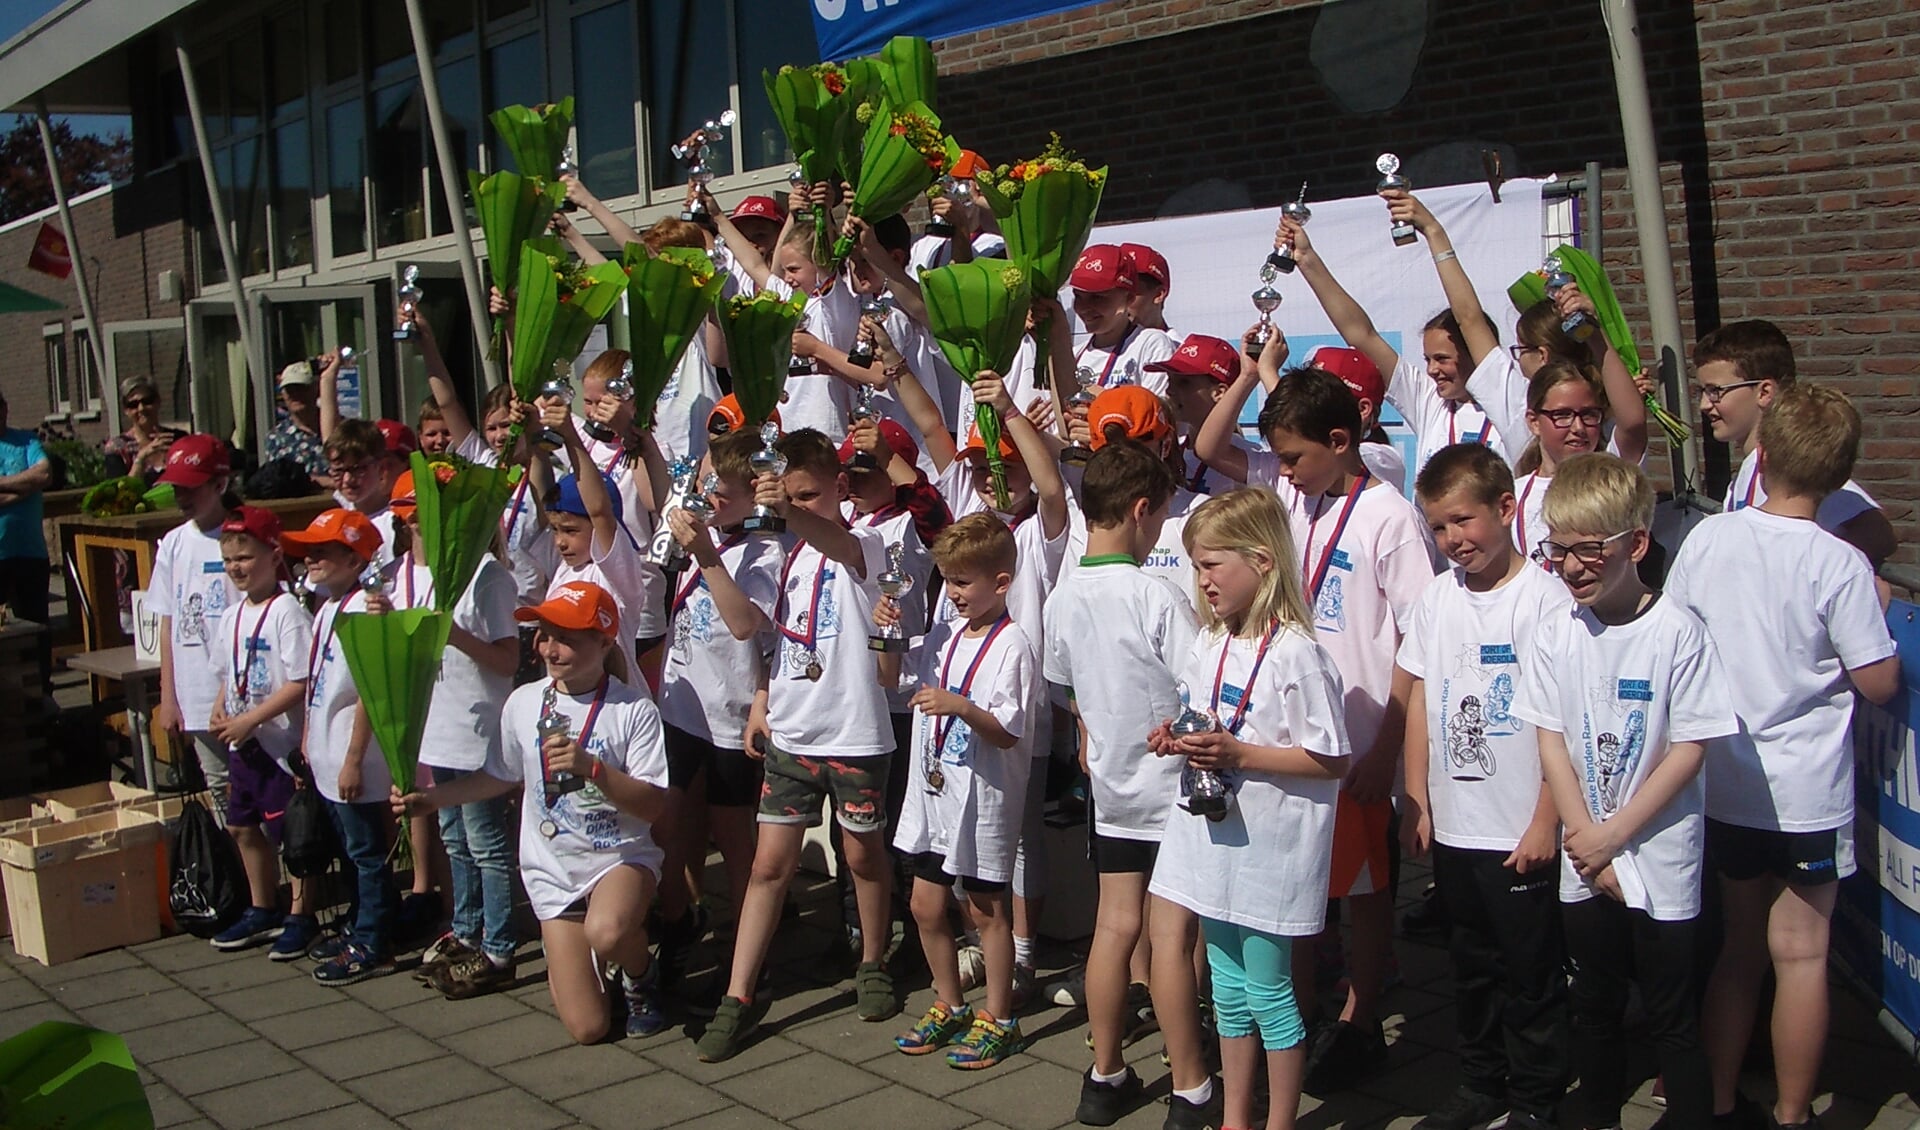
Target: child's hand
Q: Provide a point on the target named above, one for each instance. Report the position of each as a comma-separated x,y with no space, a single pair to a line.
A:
1040,415
936,703
758,736
805,344
349,781
1537,848
556,414
1416,832
1592,848
988,388
688,528
409,804
167,717
235,730
564,755
1648,382
1405,208
866,437
1292,231
797,200
604,410
496,302
378,604
885,613
1160,740
1608,884
1215,750
768,492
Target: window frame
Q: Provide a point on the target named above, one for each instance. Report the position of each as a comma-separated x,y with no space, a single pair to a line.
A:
53,337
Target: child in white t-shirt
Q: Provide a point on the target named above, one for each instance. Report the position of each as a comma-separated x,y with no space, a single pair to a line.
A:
1795,611
1474,795
584,511
978,679
1130,412
189,590
1252,877
591,792
1118,350
1624,691
257,651
1114,635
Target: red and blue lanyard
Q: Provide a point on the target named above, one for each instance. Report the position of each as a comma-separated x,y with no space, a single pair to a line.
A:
941,726
1318,576
1246,692
241,674
593,712
1453,425
1113,356
806,642
697,578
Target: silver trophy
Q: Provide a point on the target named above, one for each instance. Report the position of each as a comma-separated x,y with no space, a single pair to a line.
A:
346,354
960,191
1390,178
558,386
796,179
569,166
1266,300
409,302
619,388
895,582
1578,325
871,306
1206,791
1077,454
766,461
553,786
1281,259
697,152
863,411
373,581
798,366
663,550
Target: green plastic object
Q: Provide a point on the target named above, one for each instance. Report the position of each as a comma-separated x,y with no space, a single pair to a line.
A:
70,1077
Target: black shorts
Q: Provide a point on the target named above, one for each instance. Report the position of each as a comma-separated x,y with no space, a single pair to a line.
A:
1113,855
733,778
932,866
1799,859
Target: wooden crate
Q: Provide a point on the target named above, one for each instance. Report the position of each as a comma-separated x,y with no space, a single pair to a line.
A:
82,801
82,887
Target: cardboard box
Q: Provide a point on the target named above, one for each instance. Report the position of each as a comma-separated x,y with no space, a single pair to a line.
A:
82,801
17,814
81,887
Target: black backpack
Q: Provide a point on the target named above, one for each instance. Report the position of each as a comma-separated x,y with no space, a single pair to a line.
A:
308,841
208,888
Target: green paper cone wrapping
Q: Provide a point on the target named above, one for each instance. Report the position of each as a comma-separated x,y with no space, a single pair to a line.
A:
759,333
1045,207
513,209
59,1075
903,153
535,135
668,297
395,660
908,72
551,323
815,108
459,509
977,312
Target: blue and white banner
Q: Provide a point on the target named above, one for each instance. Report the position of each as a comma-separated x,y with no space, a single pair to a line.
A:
846,28
1877,927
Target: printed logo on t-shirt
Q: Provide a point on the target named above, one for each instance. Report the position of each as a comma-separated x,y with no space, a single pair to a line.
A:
1476,701
794,655
586,812
1610,761
1330,610
1636,690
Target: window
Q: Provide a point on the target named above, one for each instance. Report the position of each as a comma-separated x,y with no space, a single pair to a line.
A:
346,173
516,76
398,153
780,32
86,393
603,91
59,399
690,81
292,195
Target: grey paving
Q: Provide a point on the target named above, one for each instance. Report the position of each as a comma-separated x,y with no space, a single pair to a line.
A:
233,1041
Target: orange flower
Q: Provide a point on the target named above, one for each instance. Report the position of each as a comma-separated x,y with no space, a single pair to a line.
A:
443,473
833,82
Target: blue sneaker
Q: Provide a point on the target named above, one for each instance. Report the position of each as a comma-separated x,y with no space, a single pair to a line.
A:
326,947
355,964
259,924
645,1016
296,936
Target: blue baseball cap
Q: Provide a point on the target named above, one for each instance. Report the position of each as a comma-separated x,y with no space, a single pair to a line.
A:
567,497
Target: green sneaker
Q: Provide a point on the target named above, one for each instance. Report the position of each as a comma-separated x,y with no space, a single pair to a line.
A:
938,1028
727,1032
874,999
985,1044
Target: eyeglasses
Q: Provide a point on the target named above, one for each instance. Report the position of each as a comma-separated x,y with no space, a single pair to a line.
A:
1519,352
141,402
1592,554
1563,418
356,471
1713,393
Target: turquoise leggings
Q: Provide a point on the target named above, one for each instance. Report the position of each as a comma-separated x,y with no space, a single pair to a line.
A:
1253,985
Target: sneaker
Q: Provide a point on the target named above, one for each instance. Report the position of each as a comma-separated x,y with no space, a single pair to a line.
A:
472,976
645,1016
327,946
1428,921
677,940
1140,1019
1103,1104
1523,1120
1185,1115
727,1032
297,935
938,1028
1344,1056
259,924
1468,1109
445,951
1658,1096
1812,1123
973,967
986,1043
1745,1115
355,963
1023,988
1069,991
874,999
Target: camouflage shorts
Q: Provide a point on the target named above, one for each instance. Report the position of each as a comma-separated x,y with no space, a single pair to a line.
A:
794,787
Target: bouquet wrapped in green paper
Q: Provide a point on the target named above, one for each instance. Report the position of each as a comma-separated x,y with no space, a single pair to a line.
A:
459,508
556,304
978,312
395,660
908,71
903,153
536,136
668,296
759,333
1531,288
1045,206
128,494
815,108
59,1076
513,210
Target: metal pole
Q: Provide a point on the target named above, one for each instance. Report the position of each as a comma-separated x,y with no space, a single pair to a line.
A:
222,234
1650,218
96,335
452,176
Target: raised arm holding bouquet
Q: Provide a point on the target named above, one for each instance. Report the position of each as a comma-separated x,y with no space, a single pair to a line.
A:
516,207
668,298
902,153
556,304
978,313
759,333
815,107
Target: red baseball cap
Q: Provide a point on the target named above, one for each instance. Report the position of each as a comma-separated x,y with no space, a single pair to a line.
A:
758,208
1148,263
727,416
576,606
195,461
1136,410
975,443
898,442
1354,370
1202,356
350,528
1102,267
255,522
400,438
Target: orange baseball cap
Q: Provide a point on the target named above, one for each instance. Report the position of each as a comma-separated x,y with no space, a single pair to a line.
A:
404,502
576,606
975,443
969,165
1137,411
727,416
349,528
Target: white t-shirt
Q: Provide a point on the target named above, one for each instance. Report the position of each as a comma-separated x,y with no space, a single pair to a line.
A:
821,399
331,699
591,837
680,415
1749,488
463,723
1168,561
1483,764
895,527
822,614
269,642
1499,388
190,585
1382,460
1801,613
1620,694
530,554
648,603
1115,636
973,819
621,572
1126,364
1041,559
1266,865
707,683
1436,423
930,251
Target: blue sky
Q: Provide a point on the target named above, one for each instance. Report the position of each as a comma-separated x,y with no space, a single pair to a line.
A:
15,16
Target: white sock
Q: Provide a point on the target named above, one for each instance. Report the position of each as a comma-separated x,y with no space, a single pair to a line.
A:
1199,1096
1116,1077
1023,952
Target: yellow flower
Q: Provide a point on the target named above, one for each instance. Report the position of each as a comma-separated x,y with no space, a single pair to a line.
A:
1012,277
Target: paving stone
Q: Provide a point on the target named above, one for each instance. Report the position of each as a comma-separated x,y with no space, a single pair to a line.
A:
437,1016
18,992
239,971
266,1101
517,1038
509,1110
893,1105
389,993
182,951
364,1054
337,1019
429,1083
929,1075
662,1099
356,1116
573,1071
102,988
143,1011
796,1086
186,1037
261,1001
1350,1109
1033,1096
168,1108
738,1118
80,969
219,1068
677,1053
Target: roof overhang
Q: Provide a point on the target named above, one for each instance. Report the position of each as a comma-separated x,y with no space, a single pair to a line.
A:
70,55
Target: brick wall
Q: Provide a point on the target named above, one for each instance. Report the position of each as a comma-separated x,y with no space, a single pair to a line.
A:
1788,132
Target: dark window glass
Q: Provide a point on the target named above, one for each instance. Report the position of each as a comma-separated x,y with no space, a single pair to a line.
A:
247,205
603,89
780,32
346,167
689,81
289,70
245,78
460,97
398,155
342,20
391,41
496,9
292,196
210,72
449,24
516,76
